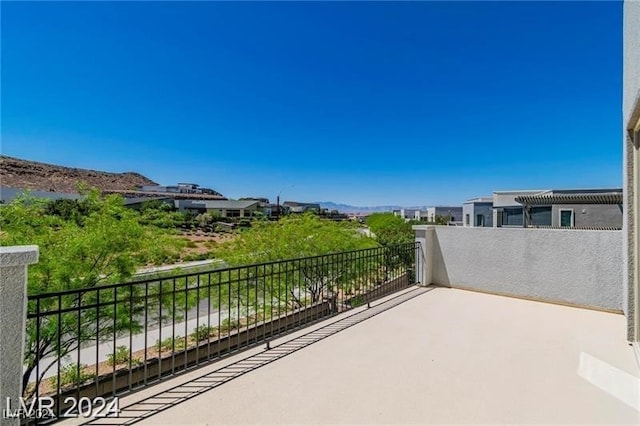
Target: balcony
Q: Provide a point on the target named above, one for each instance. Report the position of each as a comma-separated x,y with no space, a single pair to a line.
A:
469,325
422,356
112,340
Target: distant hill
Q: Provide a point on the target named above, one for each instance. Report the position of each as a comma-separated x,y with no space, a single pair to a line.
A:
25,174
346,208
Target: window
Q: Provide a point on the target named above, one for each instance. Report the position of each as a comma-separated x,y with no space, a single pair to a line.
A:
479,220
466,219
540,216
512,217
233,213
566,218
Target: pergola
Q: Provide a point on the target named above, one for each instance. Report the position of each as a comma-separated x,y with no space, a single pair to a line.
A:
548,199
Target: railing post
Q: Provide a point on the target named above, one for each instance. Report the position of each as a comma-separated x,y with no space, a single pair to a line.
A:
425,235
13,310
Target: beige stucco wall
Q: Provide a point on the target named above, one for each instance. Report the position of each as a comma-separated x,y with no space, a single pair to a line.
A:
631,108
576,267
13,304
631,67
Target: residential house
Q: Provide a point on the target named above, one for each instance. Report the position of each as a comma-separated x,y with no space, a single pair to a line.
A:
478,212
420,215
8,194
453,212
507,212
137,202
575,208
277,210
180,188
264,206
358,217
407,214
220,208
297,207
189,188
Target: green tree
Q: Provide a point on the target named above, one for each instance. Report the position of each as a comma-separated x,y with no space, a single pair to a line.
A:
301,282
74,210
102,242
443,219
390,229
291,237
160,214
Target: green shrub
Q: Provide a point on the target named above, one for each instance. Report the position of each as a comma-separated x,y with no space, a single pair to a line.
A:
229,324
356,301
202,333
69,376
121,356
170,344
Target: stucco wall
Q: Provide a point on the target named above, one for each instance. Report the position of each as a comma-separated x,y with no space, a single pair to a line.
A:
508,199
13,303
631,67
487,210
576,267
630,97
505,200
467,209
590,214
473,209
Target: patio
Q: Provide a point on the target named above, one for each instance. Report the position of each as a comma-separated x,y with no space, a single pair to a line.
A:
422,356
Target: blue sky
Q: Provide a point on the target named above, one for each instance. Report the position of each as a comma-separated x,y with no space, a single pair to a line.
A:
361,103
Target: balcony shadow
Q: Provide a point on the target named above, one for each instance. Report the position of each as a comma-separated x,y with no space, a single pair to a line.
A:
168,398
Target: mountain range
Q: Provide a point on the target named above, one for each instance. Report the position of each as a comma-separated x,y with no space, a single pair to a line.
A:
346,208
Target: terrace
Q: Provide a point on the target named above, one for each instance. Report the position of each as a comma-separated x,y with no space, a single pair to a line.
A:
423,356
427,337
436,353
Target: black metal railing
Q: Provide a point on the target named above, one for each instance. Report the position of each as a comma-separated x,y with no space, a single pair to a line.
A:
112,339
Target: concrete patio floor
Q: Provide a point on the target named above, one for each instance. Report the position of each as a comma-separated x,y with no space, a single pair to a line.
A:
425,356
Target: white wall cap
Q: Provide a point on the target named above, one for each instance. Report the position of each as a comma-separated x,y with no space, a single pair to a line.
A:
18,255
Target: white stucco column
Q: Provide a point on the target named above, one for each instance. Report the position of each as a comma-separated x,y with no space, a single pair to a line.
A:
13,308
425,235
631,165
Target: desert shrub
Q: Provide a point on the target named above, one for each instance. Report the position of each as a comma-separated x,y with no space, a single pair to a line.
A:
121,356
202,333
69,376
171,343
